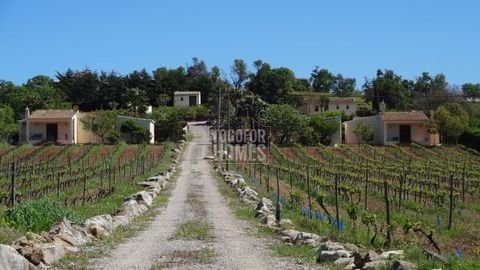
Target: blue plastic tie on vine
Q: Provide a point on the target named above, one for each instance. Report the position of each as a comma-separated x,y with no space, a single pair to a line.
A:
339,225
458,253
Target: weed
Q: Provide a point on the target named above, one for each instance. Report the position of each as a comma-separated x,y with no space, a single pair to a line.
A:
193,230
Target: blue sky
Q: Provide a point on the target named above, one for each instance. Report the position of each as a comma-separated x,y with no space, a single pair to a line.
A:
354,37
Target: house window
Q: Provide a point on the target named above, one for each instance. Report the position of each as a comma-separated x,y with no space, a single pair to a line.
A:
338,107
181,98
348,107
316,108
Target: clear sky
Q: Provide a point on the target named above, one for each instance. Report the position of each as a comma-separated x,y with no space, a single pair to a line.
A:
353,37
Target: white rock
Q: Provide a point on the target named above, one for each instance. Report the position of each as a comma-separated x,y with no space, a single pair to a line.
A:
343,261
269,221
143,197
331,246
332,255
132,208
53,252
375,264
120,220
70,233
11,260
100,226
291,234
403,265
392,254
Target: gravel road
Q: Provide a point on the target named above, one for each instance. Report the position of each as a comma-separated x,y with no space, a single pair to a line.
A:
195,200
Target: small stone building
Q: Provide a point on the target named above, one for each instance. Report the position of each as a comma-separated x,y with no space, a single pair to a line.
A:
187,98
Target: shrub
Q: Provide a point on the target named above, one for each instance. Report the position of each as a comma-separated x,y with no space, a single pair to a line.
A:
39,215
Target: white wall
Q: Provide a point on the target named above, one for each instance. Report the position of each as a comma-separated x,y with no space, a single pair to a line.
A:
183,100
372,121
418,132
64,130
352,107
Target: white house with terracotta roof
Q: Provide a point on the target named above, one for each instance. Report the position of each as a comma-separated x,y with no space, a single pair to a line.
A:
393,128
187,98
64,127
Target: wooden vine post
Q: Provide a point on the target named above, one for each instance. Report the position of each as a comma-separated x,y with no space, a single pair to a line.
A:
402,179
337,214
268,178
450,213
309,197
84,187
387,213
12,182
366,188
277,207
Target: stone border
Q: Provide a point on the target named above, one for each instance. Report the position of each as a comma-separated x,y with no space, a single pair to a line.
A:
37,251
348,256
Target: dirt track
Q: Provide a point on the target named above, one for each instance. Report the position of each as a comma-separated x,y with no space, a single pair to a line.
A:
195,200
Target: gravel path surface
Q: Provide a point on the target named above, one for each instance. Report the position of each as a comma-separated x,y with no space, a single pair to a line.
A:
195,200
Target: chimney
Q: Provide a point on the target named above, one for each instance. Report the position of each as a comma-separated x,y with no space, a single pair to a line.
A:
382,106
27,112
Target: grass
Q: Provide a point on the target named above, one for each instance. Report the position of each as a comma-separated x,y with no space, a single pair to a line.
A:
302,253
101,247
202,256
193,230
197,228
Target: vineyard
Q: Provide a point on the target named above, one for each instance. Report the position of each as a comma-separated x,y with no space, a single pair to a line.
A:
397,195
74,174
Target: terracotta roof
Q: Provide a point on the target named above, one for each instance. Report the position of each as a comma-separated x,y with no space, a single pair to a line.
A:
337,100
51,114
184,93
403,116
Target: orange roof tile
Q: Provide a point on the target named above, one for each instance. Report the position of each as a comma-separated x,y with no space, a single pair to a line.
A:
403,116
51,114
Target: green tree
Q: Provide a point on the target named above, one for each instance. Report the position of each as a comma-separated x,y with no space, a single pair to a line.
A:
8,127
113,88
142,81
430,92
239,73
286,122
273,85
322,80
390,88
135,131
323,129
137,100
471,90
364,133
100,123
169,123
452,121
81,88
343,87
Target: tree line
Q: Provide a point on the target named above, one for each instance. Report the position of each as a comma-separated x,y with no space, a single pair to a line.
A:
93,90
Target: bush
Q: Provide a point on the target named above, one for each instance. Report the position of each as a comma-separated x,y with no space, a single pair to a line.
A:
39,215
135,131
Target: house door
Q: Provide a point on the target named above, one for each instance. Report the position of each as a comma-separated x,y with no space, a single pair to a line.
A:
192,101
405,134
52,132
